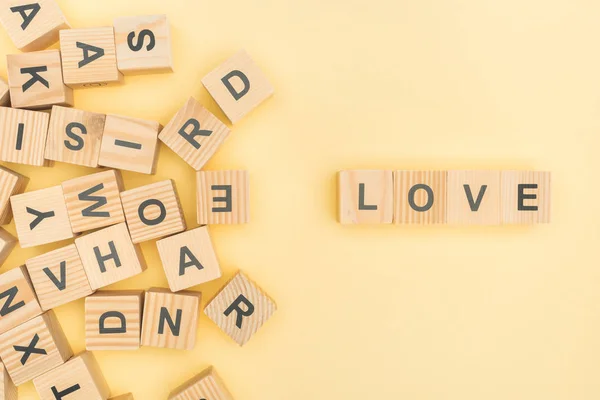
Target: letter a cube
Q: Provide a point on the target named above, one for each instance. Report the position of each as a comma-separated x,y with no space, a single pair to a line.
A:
18,302
206,385
223,197
23,136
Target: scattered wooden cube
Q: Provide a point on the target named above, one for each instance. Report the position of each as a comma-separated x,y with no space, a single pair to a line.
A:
4,94
58,277
36,80
41,217
170,319
206,385
8,390
240,308
223,197
23,136
109,256
74,136
32,25
194,134
130,144
18,302
80,378
365,197
11,184
94,201
526,197
127,396
7,244
143,44
474,197
34,347
89,57
420,197
113,320
238,86
189,259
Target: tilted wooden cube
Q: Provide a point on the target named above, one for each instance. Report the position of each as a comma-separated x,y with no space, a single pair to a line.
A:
41,217
36,80
11,183
34,347
194,134
80,378
240,308
526,197
109,256
4,94
18,302
143,44
89,57
23,136
223,197
74,136
206,385
365,197
113,320
32,25
7,244
170,319
420,197
474,197
238,86
8,390
58,277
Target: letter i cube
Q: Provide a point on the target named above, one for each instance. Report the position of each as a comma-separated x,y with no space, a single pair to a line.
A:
23,136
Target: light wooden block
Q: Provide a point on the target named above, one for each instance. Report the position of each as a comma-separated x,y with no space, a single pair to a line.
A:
74,136
89,57
11,183
170,319
194,133
7,244
32,25
238,86
18,302
8,390
127,396
189,259
153,211
109,256
206,385
4,94
474,197
41,217
143,44
223,197
36,80
23,136
420,197
240,308
94,201
80,378
58,277
113,320
526,197
365,197
130,144
34,347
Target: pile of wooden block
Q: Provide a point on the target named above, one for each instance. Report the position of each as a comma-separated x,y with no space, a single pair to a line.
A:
32,343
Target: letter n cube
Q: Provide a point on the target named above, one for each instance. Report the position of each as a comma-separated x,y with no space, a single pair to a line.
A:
18,302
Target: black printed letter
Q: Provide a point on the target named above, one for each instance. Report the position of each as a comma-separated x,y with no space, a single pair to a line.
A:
522,197
235,306
411,198
165,316
196,131
236,95
103,330
74,136
183,264
140,42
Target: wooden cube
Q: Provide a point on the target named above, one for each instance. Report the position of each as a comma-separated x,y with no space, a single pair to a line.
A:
474,197
170,319
11,184
8,390
89,57
526,197
420,197
130,144
153,211
41,217
113,320
75,136
143,44
223,197
7,244
4,94
127,396
240,308
23,136
34,347
32,25
109,256
94,201
194,134
18,302
80,378
206,385
238,86
365,197
189,259
36,80
58,277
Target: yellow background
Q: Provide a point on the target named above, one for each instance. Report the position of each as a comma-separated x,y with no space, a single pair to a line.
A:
380,312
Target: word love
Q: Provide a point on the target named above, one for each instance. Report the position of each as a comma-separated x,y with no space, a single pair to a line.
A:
443,197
